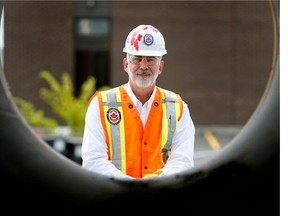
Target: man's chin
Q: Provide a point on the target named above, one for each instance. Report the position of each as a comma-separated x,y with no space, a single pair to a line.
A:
143,85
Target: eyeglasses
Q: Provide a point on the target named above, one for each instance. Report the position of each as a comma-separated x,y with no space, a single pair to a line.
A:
150,60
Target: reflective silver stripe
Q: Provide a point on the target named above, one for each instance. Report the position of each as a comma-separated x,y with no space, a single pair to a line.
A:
171,116
112,103
115,129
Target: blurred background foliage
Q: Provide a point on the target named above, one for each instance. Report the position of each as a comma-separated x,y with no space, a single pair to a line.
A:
61,98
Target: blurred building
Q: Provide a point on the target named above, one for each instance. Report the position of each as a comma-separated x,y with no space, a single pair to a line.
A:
219,52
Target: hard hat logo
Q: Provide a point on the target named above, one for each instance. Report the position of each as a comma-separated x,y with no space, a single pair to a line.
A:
145,40
148,39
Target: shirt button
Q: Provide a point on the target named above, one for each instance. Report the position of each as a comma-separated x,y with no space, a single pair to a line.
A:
130,106
155,104
145,143
145,167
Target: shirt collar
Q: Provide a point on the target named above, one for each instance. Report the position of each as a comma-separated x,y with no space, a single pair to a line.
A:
135,99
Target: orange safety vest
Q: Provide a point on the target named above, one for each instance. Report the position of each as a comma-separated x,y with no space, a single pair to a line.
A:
133,149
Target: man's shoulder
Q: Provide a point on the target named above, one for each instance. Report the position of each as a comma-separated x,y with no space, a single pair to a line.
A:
110,90
170,93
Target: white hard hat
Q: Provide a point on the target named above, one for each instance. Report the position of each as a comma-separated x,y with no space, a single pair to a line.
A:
145,40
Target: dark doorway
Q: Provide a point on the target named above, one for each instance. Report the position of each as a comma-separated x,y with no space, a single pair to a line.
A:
92,63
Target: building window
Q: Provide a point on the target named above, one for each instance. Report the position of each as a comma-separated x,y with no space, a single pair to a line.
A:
92,47
92,27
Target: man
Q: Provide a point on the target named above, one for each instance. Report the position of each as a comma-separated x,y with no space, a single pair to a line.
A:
139,130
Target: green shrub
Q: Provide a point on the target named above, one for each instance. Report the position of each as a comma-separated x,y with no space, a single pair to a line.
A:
61,98
35,118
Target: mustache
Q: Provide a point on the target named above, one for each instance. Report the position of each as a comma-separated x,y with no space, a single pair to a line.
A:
143,72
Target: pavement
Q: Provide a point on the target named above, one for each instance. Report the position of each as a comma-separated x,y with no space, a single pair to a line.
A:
209,139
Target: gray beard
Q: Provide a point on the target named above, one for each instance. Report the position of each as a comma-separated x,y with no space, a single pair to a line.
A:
145,82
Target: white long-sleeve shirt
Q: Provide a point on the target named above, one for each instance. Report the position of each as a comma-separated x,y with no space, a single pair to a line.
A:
94,147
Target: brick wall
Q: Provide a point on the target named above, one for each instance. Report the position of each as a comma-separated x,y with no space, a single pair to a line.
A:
219,53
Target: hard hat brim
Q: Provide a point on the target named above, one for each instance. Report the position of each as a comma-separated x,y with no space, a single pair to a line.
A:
145,52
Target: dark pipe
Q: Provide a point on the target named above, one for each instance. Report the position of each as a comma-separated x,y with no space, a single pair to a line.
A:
243,179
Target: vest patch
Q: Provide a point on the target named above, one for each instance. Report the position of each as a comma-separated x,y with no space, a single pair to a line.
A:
113,116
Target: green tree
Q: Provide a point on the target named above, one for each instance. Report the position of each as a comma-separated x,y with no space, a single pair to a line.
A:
63,102
34,117
61,98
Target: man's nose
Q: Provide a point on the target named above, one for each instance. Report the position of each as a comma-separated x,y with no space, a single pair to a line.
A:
143,63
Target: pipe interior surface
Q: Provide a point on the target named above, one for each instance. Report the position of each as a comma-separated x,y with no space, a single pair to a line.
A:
244,176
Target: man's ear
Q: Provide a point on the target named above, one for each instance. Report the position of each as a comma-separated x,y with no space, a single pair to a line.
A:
161,66
125,64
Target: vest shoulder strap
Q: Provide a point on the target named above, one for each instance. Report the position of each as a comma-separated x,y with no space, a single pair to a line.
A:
111,98
173,110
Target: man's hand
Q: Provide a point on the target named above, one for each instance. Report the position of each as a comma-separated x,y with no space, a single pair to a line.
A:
153,175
